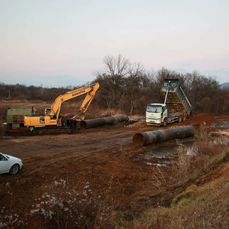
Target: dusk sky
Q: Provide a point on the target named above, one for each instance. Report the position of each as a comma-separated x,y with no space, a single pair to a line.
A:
57,43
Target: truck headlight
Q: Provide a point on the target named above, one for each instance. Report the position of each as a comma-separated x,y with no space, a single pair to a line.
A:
158,120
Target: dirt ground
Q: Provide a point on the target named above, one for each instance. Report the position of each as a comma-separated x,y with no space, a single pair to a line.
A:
103,157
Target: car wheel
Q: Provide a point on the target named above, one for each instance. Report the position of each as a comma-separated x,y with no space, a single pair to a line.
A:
14,169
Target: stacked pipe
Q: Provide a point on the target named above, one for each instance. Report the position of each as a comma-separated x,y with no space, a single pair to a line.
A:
150,137
92,123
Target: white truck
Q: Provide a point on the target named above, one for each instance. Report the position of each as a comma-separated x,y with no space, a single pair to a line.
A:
175,108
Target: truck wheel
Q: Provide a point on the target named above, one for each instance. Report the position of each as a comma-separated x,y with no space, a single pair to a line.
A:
180,119
164,123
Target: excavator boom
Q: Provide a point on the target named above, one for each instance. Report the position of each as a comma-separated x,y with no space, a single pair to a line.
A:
90,91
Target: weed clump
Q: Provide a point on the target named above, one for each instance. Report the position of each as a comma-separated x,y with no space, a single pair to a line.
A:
205,153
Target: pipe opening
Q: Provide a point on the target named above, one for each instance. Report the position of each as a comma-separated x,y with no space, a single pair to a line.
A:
138,139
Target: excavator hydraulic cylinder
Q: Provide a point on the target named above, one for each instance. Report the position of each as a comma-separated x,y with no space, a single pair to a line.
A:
92,123
150,137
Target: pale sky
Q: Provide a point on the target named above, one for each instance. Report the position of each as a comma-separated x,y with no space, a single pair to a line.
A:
57,43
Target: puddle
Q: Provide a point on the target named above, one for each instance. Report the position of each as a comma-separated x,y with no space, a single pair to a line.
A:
162,156
220,125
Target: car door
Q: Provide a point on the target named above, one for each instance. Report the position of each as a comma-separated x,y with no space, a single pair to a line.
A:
4,164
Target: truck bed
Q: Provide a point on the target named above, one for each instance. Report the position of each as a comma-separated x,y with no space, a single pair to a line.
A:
176,99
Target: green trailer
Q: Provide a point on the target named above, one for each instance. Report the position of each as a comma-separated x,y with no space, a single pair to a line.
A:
15,117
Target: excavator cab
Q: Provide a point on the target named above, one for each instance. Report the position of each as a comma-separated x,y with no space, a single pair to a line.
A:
47,112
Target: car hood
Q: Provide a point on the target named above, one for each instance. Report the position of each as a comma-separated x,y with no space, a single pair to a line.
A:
11,157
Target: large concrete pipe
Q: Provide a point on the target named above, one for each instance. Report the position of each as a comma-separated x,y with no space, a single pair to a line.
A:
91,123
150,137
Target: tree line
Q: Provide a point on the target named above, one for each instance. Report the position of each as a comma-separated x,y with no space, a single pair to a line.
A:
128,87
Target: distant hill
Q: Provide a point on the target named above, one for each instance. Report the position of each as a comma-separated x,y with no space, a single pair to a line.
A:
224,85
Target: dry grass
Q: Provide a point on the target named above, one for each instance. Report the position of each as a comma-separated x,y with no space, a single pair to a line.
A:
198,206
205,153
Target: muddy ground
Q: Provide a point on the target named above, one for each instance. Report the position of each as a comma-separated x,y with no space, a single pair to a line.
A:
105,157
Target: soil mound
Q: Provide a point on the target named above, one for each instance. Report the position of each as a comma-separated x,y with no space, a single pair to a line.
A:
204,119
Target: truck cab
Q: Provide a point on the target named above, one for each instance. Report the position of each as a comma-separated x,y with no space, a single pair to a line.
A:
156,114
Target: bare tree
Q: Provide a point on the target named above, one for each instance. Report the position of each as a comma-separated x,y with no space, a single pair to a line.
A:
115,67
111,79
134,84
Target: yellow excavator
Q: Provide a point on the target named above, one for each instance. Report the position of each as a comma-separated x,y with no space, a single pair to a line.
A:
52,115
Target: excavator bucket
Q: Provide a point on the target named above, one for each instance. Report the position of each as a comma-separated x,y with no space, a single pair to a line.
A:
79,116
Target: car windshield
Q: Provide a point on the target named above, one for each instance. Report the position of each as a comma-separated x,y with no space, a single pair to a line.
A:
154,108
2,158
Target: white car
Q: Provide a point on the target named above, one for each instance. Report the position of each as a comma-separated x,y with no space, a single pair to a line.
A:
9,164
